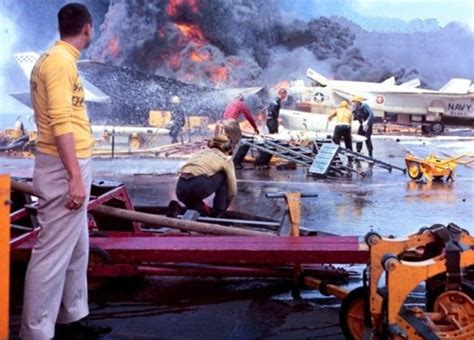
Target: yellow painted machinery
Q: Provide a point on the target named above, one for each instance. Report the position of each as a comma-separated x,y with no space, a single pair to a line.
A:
434,167
441,258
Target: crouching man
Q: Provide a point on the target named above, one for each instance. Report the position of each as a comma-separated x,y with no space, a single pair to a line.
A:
207,172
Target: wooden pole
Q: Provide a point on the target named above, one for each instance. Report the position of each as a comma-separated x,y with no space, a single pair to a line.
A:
162,221
4,255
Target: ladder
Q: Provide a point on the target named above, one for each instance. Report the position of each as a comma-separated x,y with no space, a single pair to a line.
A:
323,160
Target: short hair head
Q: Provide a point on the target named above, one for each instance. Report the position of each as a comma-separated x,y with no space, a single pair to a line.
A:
282,91
344,103
72,18
240,97
221,142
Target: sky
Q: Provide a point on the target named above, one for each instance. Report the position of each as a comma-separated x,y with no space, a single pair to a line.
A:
444,11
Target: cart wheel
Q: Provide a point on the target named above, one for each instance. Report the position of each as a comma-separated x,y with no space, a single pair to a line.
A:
351,315
422,230
437,128
414,171
97,255
372,238
432,296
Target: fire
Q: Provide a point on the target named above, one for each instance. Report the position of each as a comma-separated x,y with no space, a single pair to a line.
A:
219,74
113,47
191,32
199,57
174,62
175,7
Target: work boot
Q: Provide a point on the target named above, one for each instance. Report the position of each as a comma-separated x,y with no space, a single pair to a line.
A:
82,329
206,211
175,209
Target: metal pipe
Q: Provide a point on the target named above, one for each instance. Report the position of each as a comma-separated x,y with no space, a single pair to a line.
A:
205,228
213,271
329,289
113,143
282,194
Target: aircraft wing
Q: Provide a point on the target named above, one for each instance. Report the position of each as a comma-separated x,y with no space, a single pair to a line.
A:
27,61
457,86
403,91
22,97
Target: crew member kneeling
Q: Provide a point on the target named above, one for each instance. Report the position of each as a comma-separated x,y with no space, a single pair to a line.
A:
207,172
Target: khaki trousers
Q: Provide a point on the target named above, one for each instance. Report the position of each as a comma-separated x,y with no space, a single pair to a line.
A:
56,278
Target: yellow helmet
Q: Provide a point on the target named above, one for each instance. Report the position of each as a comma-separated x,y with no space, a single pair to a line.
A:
344,103
358,99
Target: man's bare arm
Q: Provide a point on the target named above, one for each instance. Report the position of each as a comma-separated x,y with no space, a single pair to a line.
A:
67,153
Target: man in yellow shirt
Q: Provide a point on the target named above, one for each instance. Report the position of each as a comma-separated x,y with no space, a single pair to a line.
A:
207,172
343,124
56,278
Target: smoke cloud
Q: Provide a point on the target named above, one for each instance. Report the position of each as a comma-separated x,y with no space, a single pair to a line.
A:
223,43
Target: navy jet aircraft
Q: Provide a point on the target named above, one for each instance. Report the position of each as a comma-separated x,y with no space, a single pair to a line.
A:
452,104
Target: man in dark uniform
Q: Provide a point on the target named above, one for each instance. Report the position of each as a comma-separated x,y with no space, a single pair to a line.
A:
364,114
178,120
273,114
273,111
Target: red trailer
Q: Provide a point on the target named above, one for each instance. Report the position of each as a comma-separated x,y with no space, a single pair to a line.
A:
121,246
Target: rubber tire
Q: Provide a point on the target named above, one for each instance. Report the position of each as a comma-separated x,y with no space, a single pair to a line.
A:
415,175
437,128
96,283
354,302
432,296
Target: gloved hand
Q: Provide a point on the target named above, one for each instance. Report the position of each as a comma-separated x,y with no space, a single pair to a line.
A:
256,131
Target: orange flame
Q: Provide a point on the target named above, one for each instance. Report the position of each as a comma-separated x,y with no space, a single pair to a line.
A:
174,6
219,74
191,32
113,47
199,57
174,62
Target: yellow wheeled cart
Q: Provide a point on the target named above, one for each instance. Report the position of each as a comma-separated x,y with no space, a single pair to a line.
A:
434,167
440,259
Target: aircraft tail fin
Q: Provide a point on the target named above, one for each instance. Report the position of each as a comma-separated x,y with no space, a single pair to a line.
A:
27,61
389,81
316,77
457,86
411,83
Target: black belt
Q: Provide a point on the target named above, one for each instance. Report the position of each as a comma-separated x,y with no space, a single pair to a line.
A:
186,176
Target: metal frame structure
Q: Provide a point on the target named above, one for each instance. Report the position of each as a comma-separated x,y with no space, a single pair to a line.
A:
4,255
121,246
